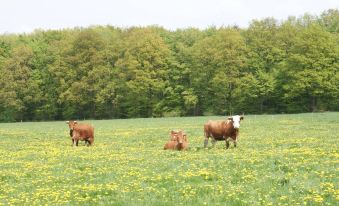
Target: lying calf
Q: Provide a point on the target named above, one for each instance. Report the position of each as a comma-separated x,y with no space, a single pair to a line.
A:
178,141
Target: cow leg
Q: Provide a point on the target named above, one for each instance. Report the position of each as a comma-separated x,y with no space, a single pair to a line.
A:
206,142
213,142
75,143
227,143
86,142
235,143
90,141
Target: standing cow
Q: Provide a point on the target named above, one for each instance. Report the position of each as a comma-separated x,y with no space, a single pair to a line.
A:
83,132
219,130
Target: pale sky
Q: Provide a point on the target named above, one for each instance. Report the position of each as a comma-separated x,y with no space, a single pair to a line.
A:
18,16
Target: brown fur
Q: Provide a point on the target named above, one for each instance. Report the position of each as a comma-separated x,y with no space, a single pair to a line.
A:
220,130
174,135
83,132
178,141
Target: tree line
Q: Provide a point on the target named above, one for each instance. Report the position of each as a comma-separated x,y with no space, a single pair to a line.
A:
103,72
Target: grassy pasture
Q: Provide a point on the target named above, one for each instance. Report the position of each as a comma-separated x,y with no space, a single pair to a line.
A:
280,160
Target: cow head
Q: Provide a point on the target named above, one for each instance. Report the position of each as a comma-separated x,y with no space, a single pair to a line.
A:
236,121
181,137
71,124
174,135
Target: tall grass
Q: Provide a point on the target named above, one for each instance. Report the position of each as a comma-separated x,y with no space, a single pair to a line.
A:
280,160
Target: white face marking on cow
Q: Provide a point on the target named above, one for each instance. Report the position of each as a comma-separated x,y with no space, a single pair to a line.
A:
236,121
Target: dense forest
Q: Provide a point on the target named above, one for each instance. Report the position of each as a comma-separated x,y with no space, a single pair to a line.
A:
104,72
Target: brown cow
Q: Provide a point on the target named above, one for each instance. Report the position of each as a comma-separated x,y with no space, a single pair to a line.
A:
178,141
223,130
174,135
83,132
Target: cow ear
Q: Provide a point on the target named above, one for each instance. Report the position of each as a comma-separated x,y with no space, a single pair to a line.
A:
67,122
241,117
185,137
230,118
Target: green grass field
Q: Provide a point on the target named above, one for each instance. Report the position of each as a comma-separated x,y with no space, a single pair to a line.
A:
280,160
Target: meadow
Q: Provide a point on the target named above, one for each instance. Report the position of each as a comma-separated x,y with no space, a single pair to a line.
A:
280,160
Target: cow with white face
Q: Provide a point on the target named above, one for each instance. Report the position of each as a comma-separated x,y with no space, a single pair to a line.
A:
223,130
236,121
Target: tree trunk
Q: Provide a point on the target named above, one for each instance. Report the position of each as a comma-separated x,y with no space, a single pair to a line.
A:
314,104
261,105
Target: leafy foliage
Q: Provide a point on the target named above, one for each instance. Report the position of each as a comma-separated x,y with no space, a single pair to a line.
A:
107,72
